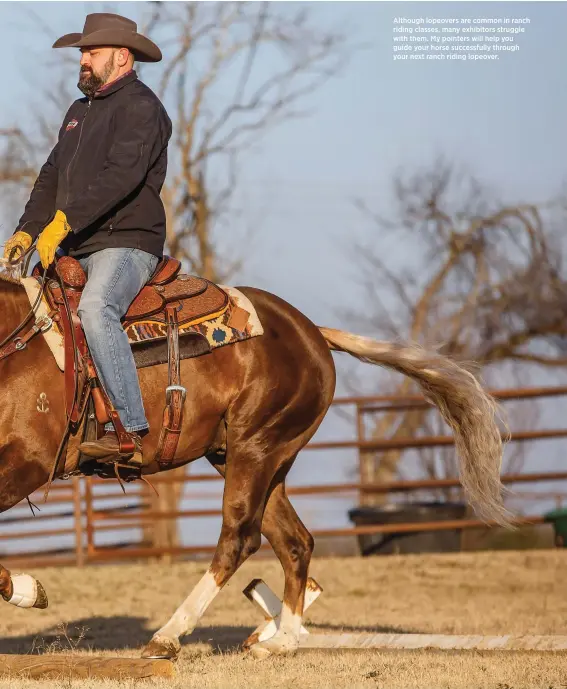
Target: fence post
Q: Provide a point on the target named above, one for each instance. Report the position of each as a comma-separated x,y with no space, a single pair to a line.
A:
89,515
362,455
78,513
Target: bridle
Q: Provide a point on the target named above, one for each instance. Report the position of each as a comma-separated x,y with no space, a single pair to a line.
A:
15,341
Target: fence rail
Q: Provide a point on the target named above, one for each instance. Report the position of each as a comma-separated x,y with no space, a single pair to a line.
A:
78,511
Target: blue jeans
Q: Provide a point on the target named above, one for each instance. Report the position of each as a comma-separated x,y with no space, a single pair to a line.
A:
114,278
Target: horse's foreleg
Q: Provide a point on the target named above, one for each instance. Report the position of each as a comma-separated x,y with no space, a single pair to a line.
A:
22,590
293,545
6,586
244,498
20,475
235,545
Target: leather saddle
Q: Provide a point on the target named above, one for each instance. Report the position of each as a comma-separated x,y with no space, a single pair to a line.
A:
195,298
170,298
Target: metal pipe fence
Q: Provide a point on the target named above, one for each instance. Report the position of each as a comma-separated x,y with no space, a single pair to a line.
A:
67,528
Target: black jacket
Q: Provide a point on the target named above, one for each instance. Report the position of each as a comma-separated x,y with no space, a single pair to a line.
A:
106,172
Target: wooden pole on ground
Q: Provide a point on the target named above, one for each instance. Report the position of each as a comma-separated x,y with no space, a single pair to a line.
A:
83,667
259,593
362,641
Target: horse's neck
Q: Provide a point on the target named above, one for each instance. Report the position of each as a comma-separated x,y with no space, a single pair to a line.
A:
15,306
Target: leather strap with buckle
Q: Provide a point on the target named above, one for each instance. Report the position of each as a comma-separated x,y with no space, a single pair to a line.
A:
175,393
41,325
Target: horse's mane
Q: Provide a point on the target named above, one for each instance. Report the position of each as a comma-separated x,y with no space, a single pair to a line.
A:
6,277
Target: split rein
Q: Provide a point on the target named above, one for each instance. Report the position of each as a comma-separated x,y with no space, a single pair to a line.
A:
14,342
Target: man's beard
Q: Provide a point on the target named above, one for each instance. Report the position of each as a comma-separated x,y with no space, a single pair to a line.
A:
89,82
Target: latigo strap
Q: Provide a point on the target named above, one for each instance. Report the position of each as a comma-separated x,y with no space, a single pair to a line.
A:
76,351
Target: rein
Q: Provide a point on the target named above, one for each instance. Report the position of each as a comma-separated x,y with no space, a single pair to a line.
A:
12,343
15,342
65,437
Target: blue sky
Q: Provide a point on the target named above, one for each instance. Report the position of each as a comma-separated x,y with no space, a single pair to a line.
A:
504,120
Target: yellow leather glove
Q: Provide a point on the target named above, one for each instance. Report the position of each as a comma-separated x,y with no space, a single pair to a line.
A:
21,241
52,235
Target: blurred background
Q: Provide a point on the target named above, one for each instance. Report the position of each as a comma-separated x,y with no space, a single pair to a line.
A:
419,201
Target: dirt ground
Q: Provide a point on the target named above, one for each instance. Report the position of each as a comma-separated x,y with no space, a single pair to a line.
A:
113,610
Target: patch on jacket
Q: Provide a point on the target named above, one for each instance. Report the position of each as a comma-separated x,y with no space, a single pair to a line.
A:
71,125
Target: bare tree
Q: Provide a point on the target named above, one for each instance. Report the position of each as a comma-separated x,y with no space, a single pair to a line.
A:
225,101
481,281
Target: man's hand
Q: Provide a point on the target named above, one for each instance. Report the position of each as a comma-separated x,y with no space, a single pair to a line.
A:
51,237
21,241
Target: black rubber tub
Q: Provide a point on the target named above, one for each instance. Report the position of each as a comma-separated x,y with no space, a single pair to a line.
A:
448,541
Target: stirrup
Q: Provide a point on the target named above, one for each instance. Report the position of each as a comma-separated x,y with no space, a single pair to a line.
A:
112,470
123,460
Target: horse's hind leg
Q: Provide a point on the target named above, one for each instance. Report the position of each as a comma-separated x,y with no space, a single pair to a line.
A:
293,545
248,479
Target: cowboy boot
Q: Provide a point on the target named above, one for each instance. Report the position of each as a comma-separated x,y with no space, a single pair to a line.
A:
107,449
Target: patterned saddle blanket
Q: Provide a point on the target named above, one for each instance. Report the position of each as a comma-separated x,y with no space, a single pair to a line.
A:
204,324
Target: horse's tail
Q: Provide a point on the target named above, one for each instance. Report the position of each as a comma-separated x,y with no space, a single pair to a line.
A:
465,406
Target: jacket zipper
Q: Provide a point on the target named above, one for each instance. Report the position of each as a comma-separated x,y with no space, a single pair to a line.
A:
76,149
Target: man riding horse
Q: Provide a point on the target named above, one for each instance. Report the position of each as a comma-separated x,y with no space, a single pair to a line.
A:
97,198
254,405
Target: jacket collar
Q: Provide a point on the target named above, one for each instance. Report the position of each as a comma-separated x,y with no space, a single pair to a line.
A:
117,84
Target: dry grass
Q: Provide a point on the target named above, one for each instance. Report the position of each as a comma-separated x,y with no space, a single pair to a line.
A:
114,610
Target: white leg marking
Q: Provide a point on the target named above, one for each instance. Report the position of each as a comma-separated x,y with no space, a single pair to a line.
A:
286,638
259,593
25,591
289,629
185,618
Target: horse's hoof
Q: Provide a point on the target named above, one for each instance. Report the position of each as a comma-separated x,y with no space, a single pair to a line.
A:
41,601
27,592
162,648
259,652
273,646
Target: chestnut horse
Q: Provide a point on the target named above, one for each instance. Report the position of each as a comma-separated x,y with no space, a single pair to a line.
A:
250,408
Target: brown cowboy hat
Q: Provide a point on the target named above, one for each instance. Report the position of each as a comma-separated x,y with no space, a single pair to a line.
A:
103,29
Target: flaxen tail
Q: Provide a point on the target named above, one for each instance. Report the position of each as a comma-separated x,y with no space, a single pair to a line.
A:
461,400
